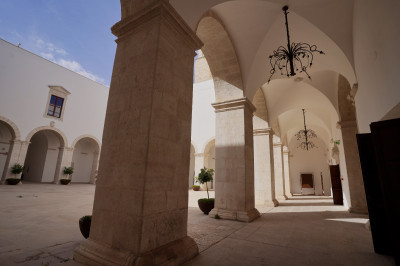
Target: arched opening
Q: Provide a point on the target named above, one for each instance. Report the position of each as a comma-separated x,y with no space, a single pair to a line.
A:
6,136
84,160
43,157
314,162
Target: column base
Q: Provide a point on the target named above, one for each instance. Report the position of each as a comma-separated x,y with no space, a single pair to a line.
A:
243,216
358,210
96,254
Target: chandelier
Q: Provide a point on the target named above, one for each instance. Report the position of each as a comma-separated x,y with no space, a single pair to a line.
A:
305,135
297,56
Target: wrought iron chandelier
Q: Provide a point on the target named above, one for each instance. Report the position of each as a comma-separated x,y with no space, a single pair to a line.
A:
305,135
297,56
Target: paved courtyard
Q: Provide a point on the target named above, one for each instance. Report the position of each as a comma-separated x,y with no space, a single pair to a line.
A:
39,226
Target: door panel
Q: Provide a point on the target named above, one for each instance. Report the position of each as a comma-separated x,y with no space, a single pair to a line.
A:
336,185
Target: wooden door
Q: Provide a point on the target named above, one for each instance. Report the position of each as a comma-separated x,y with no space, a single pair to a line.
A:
336,185
376,208
386,140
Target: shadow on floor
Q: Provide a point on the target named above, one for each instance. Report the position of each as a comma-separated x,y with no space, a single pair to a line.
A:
307,204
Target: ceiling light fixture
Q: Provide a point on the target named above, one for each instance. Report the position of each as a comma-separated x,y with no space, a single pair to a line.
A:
305,135
297,56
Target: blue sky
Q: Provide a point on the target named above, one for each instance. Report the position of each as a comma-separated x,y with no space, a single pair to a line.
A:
73,33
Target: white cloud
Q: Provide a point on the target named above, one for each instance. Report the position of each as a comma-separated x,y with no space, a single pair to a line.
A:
57,55
76,67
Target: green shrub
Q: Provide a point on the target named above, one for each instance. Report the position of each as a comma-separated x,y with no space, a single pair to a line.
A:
68,170
86,218
205,175
217,217
17,168
206,200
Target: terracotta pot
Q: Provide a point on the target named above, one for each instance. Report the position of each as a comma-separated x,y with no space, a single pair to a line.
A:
84,226
206,205
196,188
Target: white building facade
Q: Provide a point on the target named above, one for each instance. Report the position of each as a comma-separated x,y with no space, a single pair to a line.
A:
50,118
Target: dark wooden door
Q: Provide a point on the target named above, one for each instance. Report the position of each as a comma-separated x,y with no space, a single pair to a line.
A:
386,140
336,185
376,208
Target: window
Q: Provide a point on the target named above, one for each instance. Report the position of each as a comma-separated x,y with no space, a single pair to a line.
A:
55,106
56,103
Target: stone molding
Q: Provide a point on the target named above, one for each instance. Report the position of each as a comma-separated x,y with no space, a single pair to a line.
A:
154,11
243,216
277,144
61,136
347,124
263,131
200,154
234,105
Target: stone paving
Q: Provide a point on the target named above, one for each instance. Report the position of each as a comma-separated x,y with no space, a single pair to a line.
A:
39,226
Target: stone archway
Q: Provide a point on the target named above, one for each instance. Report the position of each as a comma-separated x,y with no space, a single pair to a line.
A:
85,157
44,155
9,143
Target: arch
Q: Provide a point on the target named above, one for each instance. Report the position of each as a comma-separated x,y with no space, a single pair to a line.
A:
93,138
12,127
347,109
59,134
221,57
44,155
85,158
260,118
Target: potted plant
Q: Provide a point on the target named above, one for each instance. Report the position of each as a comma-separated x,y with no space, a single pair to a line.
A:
84,225
68,171
196,187
205,204
16,169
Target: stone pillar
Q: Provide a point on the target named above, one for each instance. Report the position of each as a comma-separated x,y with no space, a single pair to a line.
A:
356,184
16,154
234,188
286,172
198,163
264,183
278,170
64,159
95,164
141,202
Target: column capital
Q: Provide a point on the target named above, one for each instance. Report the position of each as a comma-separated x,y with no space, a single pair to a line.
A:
235,104
263,131
199,154
157,9
347,124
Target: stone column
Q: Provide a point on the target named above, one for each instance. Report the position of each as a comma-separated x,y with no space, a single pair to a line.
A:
64,159
141,202
264,183
286,172
234,188
16,154
95,164
356,184
198,163
278,170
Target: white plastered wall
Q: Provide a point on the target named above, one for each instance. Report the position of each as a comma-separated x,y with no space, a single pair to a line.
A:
24,100
376,33
314,161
